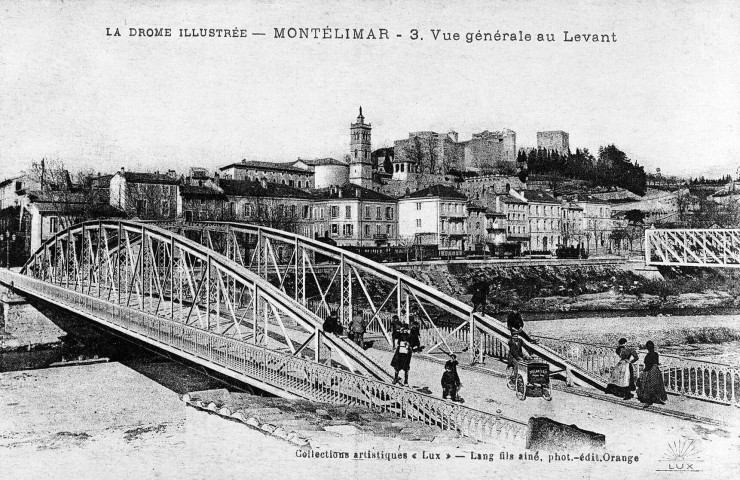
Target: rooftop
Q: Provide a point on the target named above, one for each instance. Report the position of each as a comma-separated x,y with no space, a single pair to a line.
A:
248,188
283,167
539,196
352,191
319,162
148,177
440,191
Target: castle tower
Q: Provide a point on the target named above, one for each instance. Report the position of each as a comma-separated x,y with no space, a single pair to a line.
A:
360,165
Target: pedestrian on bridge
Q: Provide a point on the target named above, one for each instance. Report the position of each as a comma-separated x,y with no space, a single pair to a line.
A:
332,325
480,295
622,377
402,357
449,383
358,327
515,323
651,388
396,327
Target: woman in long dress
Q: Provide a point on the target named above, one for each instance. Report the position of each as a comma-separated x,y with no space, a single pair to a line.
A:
402,357
622,379
651,388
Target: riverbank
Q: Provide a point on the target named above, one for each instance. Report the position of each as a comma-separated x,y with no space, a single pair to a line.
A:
586,288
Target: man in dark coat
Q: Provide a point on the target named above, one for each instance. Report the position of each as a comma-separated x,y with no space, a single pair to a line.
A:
479,297
332,325
515,323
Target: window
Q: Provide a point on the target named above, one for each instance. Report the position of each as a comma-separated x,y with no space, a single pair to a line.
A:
306,211
53,224
389,213
389,230
367,230
418,205
418,222
348,230
377,213
247,212
334,230
292,211
377,229
334,211
347,212
367,212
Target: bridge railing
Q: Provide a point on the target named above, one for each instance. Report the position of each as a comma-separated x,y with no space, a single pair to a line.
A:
300,377
693,247
690,377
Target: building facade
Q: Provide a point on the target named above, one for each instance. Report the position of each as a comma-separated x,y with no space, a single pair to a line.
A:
327,172
355,216
281,173
544,220
437,215
145,195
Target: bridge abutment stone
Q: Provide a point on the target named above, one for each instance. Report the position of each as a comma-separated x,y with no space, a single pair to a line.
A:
22,325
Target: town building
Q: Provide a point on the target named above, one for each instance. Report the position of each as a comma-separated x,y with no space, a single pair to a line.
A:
269,204
327,172
544,220
485,227
516,219
554,141
572,225
485,188
355,216
282,173
145,195
436,215
597,222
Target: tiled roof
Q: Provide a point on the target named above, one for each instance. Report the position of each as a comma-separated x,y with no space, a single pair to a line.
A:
284,167
146,177
539,196
441,191
586,198
247,188
351,191
320,161
512,199
197,191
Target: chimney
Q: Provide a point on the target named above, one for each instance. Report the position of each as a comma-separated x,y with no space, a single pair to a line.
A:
357,192
339,192
123,169
171,173
263,183
244,160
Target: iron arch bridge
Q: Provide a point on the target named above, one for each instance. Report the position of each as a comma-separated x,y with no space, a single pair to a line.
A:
322,277
693,247
236,317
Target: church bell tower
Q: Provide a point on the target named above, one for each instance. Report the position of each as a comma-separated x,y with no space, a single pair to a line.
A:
360,165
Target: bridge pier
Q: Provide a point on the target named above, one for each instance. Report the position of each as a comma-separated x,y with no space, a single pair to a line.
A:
22,325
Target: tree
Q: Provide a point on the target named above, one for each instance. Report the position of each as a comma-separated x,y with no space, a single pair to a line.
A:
71,201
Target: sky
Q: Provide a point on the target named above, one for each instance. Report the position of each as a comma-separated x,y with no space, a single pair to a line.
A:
667,92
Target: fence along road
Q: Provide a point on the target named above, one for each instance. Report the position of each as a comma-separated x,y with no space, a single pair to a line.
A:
172,293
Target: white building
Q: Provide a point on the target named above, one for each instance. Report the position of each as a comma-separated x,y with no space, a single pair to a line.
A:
327,172
436,215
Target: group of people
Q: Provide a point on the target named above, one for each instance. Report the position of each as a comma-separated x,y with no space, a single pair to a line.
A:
356,330
623,380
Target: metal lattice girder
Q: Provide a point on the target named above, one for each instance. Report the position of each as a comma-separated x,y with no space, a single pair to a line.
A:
693,247
142,266
328,277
